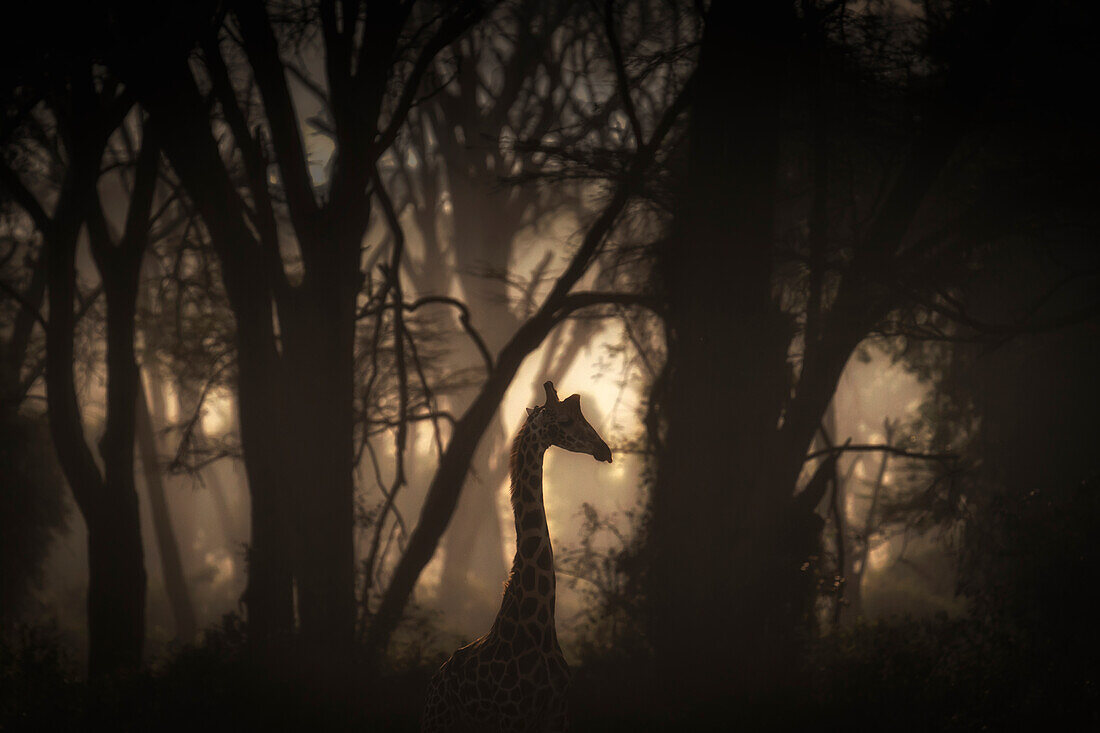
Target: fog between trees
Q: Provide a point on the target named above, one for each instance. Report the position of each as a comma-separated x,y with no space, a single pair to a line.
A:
279,280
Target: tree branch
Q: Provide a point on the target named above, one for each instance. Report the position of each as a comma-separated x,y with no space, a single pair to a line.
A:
585,299
263,54
446,485
254,162
621,79
451,28
10,180
27,306
136,230
881,448
464,318
959,316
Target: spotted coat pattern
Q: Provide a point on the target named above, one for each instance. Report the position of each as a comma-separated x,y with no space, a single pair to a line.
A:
514,678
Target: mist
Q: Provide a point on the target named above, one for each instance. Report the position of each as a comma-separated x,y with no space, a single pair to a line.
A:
479,365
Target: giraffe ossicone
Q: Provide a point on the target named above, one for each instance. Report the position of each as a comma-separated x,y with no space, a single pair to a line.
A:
514,678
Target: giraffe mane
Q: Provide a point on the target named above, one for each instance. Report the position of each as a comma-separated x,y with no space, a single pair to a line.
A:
514,456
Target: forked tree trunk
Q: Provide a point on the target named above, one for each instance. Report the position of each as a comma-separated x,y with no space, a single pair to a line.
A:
166,87
107,501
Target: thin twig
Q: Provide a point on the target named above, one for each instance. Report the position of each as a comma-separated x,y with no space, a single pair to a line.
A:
429,397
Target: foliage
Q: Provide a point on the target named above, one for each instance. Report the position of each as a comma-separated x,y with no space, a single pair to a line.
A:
32,508
1030,561
941,674
37,676
1022,503
1022,540
928,668
214,684
608,571
420,642
933,674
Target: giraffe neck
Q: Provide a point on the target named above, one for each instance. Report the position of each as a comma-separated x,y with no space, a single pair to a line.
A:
531,583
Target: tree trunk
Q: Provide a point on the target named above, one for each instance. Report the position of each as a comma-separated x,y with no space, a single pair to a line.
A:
177,111
320,395
446,485
269,595
175,583
116,591
108,503
726,548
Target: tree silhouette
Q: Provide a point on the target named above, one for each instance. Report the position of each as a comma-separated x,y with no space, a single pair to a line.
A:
87,107
770,286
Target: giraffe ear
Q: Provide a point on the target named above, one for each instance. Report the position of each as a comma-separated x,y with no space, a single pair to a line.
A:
530,411
573,399
551,393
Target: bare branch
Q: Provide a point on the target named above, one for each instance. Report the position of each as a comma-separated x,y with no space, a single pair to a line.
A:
585,299
10,180
447,484
316,89
882,448
451,28
960,316
621,79
464,318
28,306
254,162
263,54
136,229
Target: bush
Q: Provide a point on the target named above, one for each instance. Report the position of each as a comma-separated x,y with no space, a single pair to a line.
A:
939,674
38,680
31,508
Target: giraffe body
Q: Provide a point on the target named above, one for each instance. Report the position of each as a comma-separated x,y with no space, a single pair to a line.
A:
514,678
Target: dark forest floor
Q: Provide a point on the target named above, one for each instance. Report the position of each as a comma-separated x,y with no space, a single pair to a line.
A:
906,676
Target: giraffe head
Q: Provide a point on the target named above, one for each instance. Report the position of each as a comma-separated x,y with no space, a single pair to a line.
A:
562,424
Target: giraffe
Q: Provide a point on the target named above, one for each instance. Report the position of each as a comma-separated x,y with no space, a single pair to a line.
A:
514,678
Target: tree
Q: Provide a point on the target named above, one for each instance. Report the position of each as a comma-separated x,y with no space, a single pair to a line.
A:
767,299
179,597
472,199
86,108
296,320
295,383
640,156
32,490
